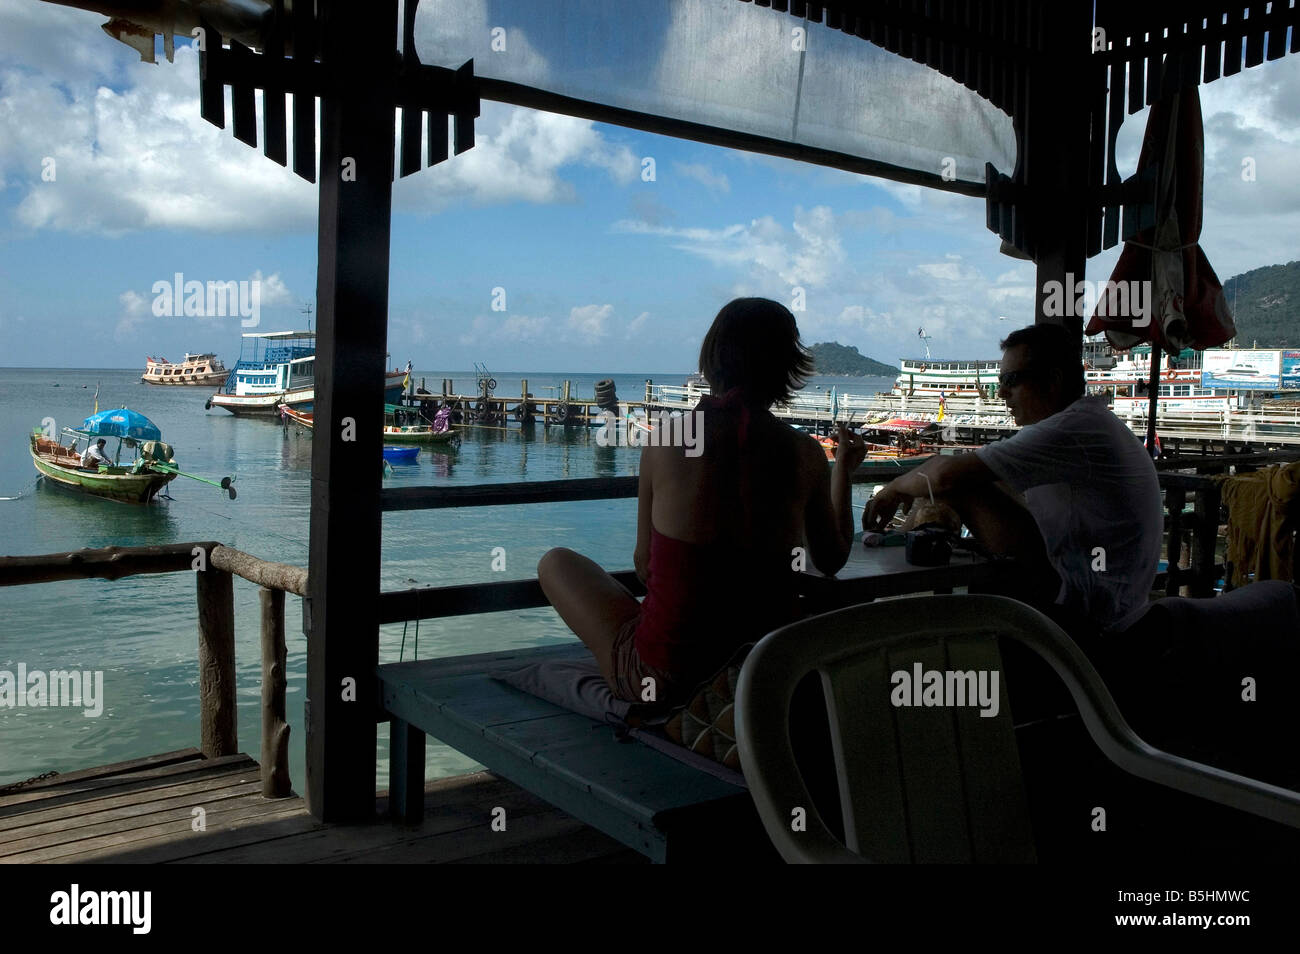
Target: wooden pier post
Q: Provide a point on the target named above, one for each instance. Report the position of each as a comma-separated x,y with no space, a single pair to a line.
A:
342,612
275,727
526,414
218,728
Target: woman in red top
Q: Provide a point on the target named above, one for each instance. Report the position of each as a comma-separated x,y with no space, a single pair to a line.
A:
720,526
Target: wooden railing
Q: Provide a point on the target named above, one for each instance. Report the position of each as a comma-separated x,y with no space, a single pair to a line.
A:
396,606
214,567
217,565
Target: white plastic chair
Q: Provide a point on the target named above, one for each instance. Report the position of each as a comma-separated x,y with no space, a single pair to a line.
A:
931,784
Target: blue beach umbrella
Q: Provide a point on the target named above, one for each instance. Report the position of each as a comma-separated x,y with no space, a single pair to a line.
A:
122,422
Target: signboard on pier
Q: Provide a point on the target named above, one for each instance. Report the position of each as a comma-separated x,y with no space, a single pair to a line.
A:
1291,370
1248,369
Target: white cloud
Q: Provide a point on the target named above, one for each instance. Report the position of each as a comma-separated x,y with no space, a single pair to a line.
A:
133,313
518,156
131,151
272,291
704,175
486,329
636,324
948,271
132,302
588,321
775,258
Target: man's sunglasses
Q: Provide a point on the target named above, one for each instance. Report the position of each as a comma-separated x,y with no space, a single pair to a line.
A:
1012,378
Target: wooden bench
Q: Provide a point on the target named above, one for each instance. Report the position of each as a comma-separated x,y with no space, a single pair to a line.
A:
652,803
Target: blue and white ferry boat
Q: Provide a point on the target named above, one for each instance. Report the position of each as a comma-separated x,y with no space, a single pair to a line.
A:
279,367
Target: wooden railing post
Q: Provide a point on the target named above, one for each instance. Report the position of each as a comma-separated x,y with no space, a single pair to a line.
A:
1205,540
275,729
218,734
1175,500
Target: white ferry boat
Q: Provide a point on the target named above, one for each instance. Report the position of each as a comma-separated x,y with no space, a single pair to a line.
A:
1124,376
279,367
203,369
931,376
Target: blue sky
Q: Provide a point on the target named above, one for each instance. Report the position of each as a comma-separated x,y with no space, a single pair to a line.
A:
602,271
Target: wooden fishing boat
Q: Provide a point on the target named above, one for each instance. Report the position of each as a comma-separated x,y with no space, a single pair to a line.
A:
875,451
62,466
303,419
137,482
397,428
393,433
418,433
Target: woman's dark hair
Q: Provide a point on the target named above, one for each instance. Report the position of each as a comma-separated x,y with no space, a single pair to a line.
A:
1051,348
754,345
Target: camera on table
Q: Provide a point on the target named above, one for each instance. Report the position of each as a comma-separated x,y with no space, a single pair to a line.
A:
928,545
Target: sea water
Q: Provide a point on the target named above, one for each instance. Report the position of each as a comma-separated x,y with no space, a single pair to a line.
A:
141,632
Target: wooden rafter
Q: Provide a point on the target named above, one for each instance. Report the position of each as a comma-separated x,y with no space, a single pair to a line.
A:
432,92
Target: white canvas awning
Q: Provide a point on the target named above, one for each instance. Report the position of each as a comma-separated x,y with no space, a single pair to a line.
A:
732,66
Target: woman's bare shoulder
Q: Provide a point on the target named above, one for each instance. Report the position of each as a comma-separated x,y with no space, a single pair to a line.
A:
805,445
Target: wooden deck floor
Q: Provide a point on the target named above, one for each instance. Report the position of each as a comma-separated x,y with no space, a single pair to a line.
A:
144,811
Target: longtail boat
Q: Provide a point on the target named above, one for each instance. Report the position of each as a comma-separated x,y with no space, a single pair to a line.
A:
62,465
440,432
393,432
137,482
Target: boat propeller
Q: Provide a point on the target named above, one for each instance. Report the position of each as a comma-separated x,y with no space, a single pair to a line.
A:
225,483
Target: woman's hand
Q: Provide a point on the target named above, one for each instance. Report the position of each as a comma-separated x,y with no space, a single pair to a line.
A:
882,507
851,450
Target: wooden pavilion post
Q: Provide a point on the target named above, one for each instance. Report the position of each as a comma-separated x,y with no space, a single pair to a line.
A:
1056,143
359,49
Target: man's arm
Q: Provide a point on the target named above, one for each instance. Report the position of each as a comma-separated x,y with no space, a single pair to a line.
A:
938,476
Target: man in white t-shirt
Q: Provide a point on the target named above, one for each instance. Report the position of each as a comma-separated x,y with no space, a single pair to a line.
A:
1088,531
94,455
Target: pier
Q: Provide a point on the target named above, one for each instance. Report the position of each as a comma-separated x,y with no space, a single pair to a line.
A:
967,421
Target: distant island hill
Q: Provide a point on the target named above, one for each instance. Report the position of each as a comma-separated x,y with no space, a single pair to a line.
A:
1265,304
845,361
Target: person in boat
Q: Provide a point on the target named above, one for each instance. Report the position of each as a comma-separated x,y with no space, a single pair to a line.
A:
94,455
442,419
723,529
1087,531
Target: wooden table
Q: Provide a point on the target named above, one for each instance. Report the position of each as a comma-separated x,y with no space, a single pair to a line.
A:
875,572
